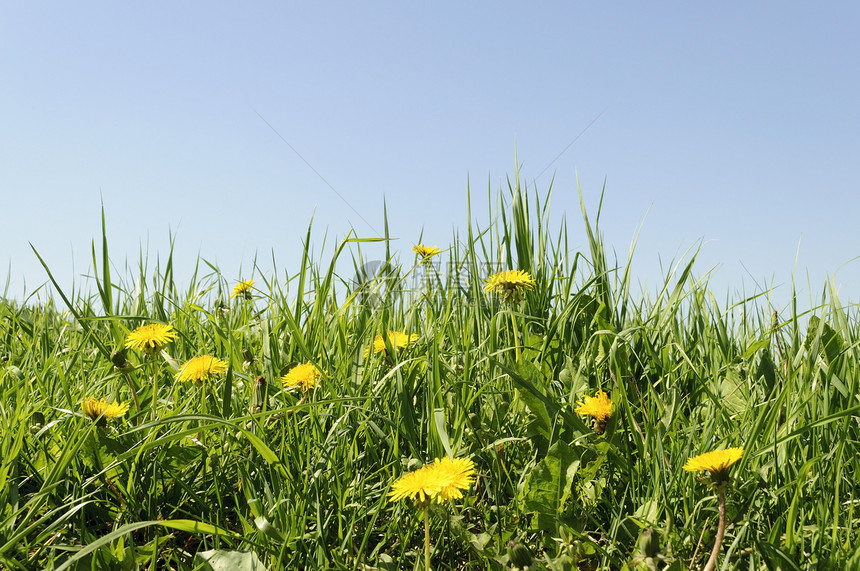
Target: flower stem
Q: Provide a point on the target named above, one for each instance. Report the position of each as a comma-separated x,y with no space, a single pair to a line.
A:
721,531
427,538
204,398
301,401
133,392
516,336
154,388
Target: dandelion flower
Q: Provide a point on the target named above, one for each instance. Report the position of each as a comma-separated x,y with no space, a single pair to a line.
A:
717,462
420,485
243,288
426,252
397,340
150,338
201,368
444,479
101,408
510,284
458,474
598,406
305,375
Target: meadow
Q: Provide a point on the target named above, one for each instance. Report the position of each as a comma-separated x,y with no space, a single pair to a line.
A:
280,449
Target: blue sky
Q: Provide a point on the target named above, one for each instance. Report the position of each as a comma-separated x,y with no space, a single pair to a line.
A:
733,126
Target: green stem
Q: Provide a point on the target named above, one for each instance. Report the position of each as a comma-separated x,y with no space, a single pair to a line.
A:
204,397
427,538
154,388
721,531
133,393
516,336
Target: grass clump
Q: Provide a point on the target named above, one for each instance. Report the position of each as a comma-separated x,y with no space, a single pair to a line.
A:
574,404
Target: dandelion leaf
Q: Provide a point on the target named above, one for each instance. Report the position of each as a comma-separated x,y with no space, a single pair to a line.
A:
529,381
387,563
822,338
549,485
227,560
733,391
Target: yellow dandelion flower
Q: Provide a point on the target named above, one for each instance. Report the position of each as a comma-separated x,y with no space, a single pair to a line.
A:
150,338
397,340
444,479
243,288
420,485
510,284
599,406
101,408
305,375
426,252
201,368
457,475
717,462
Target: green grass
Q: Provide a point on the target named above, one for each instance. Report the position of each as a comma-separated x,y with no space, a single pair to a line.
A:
257,472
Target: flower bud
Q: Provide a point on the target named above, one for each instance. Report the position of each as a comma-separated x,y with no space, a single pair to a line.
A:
119,361
259,397
248,358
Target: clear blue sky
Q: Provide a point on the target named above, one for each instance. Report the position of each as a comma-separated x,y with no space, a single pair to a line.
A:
732,124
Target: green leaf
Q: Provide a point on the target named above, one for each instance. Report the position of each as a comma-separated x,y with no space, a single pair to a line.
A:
733,391
176,458
541,416
186,525
549,485
822,338
194,526
854,562
387,563
226,560
755,347
775,558
541,405
267,528
439,423
226,399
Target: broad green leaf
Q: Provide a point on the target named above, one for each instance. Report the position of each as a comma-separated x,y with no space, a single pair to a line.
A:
226,560
822,338
549,485
733,391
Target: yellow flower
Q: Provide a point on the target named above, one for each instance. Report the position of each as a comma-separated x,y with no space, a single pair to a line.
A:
598,406
243,288
510,284
442,480
150,338
201,368
716,462
457,475
101,408
397,340
305,375
426,252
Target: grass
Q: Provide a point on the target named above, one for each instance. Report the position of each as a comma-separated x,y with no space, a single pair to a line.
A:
239,471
